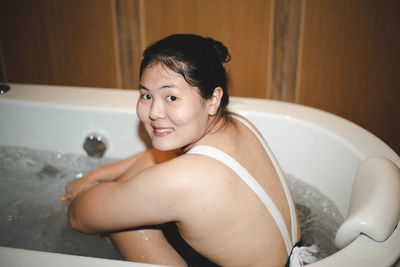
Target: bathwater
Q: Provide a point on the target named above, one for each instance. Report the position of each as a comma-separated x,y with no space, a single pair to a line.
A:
32,217
319,217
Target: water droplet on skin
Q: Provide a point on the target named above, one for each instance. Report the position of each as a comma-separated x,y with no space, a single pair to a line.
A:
145,237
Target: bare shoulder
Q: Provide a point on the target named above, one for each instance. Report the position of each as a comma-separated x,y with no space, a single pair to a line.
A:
188,177
190,168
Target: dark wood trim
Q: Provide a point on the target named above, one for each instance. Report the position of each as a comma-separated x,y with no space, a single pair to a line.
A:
2,69
129,39
287,23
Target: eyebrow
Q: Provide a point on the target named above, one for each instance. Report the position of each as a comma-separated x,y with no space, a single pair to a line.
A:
169,85
143,87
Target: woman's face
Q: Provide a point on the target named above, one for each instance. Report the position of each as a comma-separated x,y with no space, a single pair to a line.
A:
173,112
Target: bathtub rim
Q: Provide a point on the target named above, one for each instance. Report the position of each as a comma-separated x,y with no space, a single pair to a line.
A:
364,142
11,257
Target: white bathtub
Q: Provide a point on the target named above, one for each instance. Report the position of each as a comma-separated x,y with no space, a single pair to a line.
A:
317,147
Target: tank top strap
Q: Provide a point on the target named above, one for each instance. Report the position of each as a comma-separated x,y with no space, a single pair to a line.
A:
278,170
251,182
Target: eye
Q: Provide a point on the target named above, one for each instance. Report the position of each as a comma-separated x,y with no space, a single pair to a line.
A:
171,98
145,96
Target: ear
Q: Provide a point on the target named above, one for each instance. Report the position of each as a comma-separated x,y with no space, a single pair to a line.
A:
215,101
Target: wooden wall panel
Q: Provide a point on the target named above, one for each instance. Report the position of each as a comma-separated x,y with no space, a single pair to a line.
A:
350,63
243,26
349,59
67,42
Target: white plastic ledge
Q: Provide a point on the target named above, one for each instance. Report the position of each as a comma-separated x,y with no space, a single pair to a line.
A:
370,235
375,202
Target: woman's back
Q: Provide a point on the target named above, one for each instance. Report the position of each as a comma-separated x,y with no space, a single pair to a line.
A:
226,221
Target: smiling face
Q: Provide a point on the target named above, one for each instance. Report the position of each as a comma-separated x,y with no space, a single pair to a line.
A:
172,111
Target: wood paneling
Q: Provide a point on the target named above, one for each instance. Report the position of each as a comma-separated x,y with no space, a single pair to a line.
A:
245,27
67,42
345,54
350,63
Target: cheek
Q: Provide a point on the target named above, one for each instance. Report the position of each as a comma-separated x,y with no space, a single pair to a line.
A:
181,116
141,111
189,118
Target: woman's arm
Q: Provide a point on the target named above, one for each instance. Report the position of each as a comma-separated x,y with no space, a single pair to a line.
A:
154,196
120,170
104,173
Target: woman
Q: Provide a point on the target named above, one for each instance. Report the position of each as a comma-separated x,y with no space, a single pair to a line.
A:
195,177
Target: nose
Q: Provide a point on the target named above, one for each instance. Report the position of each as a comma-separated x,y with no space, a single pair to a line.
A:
156,111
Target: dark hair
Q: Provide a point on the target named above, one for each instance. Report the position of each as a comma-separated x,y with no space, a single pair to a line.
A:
198,59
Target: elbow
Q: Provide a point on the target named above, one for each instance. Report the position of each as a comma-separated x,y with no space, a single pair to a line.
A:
76,222
73,223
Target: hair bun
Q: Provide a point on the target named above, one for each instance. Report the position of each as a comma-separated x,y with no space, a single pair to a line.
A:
220,50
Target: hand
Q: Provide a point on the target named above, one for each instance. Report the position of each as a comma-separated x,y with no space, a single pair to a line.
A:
75,187
106,238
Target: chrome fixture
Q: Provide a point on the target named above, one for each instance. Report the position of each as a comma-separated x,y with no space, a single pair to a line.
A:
95,145
4,88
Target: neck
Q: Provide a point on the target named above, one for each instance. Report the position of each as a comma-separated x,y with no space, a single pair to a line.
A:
216,124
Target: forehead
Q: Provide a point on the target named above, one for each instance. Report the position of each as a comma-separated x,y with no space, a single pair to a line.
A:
159,72
157,76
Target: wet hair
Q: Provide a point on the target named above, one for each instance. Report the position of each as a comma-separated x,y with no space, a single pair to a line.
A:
199,60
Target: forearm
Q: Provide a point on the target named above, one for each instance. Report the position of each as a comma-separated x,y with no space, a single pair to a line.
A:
145,160
112,171
102,174
120,171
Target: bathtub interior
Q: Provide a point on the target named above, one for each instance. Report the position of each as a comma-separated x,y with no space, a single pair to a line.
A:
309,144
331,165
38,118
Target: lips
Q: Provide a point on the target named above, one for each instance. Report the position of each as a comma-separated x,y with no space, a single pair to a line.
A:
162,131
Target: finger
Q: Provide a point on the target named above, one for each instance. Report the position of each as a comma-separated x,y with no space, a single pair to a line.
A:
67,198
63,198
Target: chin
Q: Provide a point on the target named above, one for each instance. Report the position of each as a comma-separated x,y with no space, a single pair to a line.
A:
164,146
161,148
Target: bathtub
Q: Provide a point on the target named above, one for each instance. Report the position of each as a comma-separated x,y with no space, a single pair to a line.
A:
355,169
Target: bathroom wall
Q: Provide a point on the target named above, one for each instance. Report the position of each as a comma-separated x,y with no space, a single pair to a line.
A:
243,26
341,56
349,62
60,42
